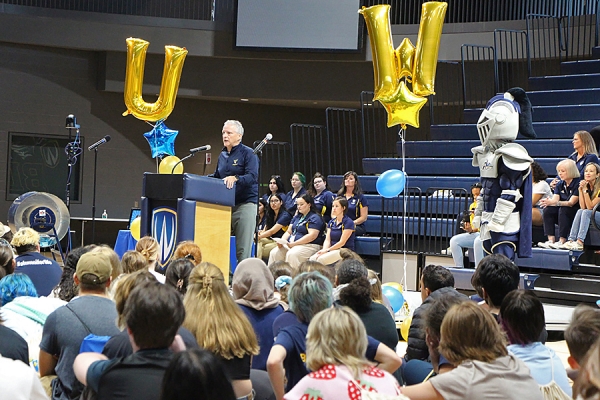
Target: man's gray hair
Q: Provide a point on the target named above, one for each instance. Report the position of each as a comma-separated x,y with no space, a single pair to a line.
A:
238,125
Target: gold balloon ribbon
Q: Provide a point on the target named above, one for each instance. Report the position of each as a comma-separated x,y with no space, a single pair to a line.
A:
391,65
134,79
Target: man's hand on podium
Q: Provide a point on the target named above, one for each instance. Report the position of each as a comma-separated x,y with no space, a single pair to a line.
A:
230,181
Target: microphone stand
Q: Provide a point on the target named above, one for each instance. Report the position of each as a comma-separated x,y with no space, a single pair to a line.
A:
94,197
182,160
258,152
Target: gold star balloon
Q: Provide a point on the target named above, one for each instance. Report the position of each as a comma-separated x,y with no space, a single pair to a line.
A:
403,108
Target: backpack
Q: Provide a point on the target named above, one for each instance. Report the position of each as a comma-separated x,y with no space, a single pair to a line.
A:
91,343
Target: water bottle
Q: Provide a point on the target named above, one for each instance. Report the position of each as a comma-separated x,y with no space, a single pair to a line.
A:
104,215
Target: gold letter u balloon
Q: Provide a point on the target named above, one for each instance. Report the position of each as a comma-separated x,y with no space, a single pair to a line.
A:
134,79
407,61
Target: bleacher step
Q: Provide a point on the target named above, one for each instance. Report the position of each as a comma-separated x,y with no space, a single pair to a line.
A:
596,52
462,148
436,166
567,96
544,130
586,284
552,113
580,67
578,81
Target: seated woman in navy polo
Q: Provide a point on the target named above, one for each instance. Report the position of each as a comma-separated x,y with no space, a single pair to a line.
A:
275,186
276,223
323,197
562,207
304,236
298,181
340,234
358,207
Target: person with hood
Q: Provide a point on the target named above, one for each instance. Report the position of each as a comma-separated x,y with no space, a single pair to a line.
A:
253,291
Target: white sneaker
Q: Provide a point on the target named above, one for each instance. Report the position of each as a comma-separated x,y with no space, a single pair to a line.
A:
558,245
574,245
545,245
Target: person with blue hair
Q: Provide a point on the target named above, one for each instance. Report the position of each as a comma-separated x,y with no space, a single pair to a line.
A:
310,293
15,285
24,312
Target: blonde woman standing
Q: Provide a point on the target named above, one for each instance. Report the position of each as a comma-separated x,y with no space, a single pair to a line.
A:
220,326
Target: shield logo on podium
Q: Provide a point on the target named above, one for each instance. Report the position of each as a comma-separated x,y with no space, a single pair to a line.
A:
164,230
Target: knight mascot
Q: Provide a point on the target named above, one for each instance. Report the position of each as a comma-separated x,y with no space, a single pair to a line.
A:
503,212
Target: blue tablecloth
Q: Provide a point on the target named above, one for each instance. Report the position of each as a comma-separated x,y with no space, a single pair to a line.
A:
125,242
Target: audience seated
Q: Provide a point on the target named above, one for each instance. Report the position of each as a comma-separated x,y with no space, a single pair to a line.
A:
276,186
326,270
467,239
7,259
24,312
340,234
417,371
19,382
190,250
358,207
587,384
91,312
310,293
253,291
196,374
541,191
335,347
377,292
522,318
44,272
153,314
589,197
496,277
356,294
148,247
115,262
282,275
276,224
178,274
436,282
319,190
12,345
133,261
562,207
119,345
304,236
585,150
67,289
298,181
472,340
220,326
581,334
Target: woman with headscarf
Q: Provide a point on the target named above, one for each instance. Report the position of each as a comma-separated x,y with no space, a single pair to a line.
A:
253,291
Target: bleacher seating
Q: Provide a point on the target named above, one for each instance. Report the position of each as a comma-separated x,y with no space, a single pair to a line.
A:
562,105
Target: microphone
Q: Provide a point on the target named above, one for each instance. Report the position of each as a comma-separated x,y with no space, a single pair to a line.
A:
263,143
201,148
100,142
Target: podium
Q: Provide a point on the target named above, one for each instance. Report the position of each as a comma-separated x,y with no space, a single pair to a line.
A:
175,208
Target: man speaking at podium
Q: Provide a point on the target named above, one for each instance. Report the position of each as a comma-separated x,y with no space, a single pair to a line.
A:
238,165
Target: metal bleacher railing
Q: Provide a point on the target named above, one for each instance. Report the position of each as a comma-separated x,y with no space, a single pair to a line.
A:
427,222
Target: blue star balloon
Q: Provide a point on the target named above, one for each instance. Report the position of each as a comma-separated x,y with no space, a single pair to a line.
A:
161,140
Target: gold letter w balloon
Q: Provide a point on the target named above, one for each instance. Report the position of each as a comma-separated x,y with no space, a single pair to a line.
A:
134,79
418,63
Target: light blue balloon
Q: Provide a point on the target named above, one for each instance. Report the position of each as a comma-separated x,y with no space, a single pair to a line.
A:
394,296
391,183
